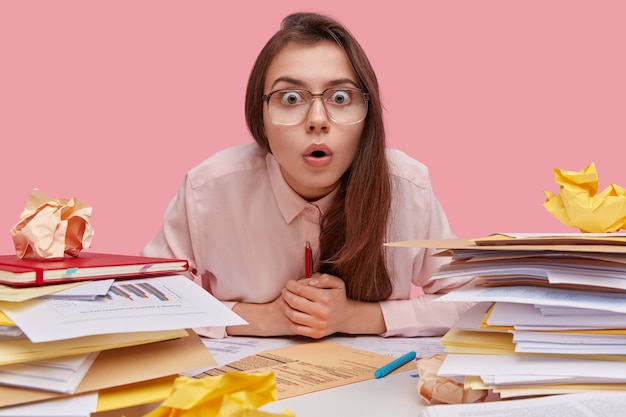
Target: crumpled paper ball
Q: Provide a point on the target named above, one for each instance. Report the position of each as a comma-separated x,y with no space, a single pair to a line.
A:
50,228
577,204
233,394
435,389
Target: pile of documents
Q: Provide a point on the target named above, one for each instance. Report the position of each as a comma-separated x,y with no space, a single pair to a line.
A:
550,316
103,335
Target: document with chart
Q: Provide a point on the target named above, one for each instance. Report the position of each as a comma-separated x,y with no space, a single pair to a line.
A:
150,304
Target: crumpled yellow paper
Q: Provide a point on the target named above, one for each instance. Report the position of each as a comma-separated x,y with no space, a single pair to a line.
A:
435,389
577,204
233,394
50,228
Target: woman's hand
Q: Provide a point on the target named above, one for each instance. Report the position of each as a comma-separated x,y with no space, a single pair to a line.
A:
264,319
318,307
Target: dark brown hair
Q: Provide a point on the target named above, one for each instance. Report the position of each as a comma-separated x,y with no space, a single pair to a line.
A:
353,230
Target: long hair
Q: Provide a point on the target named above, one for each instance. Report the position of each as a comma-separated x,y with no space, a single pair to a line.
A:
353,230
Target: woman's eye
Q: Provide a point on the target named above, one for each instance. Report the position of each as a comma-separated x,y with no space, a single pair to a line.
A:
291,97
340,97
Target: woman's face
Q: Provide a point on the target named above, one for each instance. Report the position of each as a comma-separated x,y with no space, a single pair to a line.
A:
314,154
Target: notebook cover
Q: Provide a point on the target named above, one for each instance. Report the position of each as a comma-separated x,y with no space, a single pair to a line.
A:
87,266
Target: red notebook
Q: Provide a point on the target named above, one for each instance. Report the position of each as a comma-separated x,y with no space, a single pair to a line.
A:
87,266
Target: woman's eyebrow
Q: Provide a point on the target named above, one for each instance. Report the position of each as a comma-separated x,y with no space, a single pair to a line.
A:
295,81
341,81
289,80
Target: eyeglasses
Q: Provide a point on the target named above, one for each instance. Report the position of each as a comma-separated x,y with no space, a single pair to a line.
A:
290,107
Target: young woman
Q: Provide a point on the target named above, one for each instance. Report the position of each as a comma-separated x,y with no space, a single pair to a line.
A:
318,175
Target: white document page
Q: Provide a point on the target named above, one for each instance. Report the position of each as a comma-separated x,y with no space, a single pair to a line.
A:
424,347
159,303
592,404
230,349
516,314
563,276
71,406
18,294
478,365
62,374
565,234
570,349
570,338
615,302
89,290
472,319
578,274
567,311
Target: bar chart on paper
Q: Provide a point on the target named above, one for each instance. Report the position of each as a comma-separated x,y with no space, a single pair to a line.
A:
138,291
123,297
157,303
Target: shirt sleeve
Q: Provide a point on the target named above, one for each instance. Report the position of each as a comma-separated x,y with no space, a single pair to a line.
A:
419,215
174,239
421,316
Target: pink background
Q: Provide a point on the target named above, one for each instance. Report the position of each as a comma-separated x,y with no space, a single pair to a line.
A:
112,102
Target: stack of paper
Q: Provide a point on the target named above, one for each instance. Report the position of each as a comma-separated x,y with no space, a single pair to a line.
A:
100,335
551,313
57,374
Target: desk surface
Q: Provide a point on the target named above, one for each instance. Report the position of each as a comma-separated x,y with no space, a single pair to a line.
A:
394,395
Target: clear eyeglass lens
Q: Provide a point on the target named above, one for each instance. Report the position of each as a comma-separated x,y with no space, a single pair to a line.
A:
291,107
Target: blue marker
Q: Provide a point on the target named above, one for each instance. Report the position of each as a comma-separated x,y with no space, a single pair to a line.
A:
395,364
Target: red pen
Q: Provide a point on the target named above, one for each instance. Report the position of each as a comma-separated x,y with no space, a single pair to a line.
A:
308,260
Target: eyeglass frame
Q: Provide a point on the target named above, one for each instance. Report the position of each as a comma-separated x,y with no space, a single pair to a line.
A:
366,97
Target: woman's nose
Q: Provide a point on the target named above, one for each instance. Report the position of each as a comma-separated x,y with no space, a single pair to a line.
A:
317,117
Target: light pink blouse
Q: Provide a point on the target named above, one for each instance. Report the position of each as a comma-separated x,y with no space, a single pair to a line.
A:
243,231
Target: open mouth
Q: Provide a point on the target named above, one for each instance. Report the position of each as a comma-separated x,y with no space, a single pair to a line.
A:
318,154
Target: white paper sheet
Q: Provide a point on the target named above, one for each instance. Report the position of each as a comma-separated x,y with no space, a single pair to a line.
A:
615,302
467,364
592,404
517,314
62,374
89,290
159,303
72,406
424,347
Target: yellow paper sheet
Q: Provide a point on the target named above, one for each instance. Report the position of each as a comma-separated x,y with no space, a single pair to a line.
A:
127,365
227,395
495,343
516,391
608,331
552,239
491,343
23,350
5,321
532,390
15,295
144,392
577,204
446,245
310,367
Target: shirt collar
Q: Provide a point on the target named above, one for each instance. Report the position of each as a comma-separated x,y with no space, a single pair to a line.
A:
289,202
